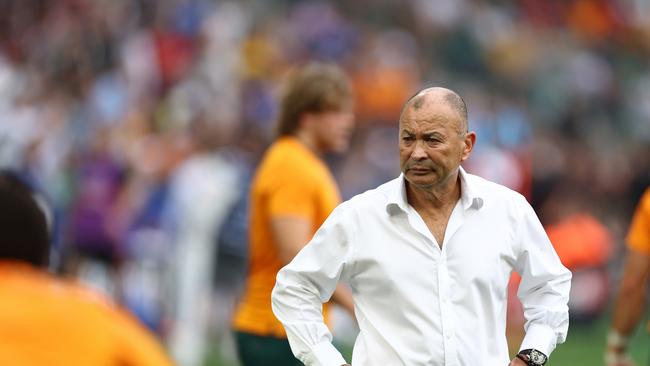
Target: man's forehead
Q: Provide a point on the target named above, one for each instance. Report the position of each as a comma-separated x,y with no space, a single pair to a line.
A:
426,131
433,132
429,122
431,113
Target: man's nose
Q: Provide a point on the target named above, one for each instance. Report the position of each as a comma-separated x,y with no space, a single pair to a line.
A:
419,152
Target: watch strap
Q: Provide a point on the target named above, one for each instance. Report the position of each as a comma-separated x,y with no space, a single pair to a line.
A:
523,358
525,355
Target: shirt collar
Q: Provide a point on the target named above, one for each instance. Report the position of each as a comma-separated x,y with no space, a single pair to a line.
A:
397,196
469,192
469,195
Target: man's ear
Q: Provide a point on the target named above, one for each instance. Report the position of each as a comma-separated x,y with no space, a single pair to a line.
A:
469,141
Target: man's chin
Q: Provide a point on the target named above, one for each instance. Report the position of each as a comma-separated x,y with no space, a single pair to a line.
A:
420,180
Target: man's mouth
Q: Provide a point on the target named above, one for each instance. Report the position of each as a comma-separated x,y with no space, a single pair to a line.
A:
419,169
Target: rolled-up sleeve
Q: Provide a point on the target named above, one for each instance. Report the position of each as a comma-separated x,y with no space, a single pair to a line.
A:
308,281
544,287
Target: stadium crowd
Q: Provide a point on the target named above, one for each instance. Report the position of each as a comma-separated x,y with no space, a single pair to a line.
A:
141,122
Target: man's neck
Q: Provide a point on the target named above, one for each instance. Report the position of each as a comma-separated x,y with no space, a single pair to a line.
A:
309,141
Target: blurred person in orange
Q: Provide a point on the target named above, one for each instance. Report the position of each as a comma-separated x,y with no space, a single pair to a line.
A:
630,303
292,193
428,256
45,320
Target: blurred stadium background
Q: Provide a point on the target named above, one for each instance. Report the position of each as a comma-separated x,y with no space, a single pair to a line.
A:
142,120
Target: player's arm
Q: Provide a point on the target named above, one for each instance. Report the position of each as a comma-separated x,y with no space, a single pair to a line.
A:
291,234
629,306
631,299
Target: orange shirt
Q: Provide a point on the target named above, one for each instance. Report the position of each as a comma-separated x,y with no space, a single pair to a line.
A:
581,241
45,320
290,181
638,237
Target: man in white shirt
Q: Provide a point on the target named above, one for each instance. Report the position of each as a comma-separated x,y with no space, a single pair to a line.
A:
428,257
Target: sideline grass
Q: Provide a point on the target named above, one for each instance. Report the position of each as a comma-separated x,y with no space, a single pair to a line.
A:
584,347
586,343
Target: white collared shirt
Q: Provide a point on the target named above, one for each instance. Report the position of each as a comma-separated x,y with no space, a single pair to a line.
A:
418,303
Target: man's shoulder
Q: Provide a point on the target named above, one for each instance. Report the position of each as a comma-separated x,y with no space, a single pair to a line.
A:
288,153
283,164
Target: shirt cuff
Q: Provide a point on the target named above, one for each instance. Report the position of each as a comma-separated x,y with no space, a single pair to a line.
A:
540,337
325,354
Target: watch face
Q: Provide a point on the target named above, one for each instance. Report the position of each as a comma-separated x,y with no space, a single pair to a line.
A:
537,357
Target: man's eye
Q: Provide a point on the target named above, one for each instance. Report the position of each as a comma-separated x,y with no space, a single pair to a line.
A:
408,138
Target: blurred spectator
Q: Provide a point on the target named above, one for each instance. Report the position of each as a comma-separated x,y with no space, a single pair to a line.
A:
95,247
558,91
203,190
35,306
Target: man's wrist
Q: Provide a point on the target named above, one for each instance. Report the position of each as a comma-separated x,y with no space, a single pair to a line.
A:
523,358
532,357
518,362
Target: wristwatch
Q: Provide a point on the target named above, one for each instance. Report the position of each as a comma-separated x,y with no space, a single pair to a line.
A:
532,357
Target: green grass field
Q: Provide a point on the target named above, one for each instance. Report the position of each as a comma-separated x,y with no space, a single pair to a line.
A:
584,347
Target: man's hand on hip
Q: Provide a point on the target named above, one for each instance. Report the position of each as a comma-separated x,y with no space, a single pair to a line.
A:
517,362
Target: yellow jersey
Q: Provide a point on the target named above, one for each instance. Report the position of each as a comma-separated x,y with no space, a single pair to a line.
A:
45,320
290,181
638,237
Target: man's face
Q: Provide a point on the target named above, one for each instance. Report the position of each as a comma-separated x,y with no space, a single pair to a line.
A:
431,147
333,130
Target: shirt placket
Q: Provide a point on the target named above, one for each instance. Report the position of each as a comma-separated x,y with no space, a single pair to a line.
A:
446,312
444,289
443,286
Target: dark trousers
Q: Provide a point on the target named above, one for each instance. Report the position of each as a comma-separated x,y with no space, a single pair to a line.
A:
256,350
